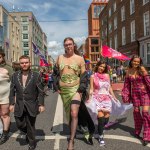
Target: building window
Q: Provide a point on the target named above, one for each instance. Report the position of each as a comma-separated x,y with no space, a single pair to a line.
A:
145,2
110,27
109,12
26,52
143,50
148,53
94,49
94,41
97,10
106,32
115,23
133,31
114,5
123,36
123,13
146,24
24,18
25,28
110,42
116,41
132,7
25,44
25,36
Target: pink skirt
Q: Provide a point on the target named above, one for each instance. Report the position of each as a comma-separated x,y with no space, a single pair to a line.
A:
103,102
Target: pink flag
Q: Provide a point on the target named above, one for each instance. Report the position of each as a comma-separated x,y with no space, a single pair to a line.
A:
111,53
42,63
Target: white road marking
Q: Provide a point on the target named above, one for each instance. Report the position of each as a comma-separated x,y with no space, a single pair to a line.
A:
58,121
57,141
58,137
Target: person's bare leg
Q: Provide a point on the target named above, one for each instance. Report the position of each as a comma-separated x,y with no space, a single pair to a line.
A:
74,123
5,116
4,112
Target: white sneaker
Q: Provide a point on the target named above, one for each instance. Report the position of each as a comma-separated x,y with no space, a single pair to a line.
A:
101,141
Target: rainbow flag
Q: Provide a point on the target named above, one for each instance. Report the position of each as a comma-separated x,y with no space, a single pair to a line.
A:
86,59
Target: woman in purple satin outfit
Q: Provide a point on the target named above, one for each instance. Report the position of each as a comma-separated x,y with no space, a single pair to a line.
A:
136,90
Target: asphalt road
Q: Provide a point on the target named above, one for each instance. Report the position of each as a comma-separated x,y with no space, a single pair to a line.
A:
117,137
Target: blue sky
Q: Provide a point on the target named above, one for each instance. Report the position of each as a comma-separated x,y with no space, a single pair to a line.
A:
47,11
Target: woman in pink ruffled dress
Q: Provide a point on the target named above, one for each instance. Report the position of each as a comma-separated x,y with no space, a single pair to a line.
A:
102,95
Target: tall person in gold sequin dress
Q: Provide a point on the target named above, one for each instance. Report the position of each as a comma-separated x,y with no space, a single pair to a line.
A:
71,66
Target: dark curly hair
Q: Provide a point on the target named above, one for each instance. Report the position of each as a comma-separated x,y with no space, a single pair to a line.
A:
100,63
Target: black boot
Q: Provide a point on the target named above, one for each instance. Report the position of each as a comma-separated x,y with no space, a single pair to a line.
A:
145,143
4,137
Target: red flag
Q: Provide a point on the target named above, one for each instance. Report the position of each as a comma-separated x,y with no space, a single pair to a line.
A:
111,53
42,63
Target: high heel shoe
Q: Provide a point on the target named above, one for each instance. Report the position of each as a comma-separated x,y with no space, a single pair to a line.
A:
72,141
88,138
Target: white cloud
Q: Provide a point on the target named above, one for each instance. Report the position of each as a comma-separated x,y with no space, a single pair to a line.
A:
53,44
56,48
80,40
52,10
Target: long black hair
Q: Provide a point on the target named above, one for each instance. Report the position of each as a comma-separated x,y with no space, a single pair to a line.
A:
75,45
100,63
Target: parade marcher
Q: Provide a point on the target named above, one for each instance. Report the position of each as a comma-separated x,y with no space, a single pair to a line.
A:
5,73
70,68
118,74
50,81
102,94
136,90
44,75
114,75
27,87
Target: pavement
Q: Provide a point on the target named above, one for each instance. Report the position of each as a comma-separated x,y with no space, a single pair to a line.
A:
117,137
117,86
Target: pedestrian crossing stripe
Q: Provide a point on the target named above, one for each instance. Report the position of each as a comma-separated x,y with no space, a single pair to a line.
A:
80,136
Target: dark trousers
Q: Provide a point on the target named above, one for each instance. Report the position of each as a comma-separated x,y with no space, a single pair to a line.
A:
26,124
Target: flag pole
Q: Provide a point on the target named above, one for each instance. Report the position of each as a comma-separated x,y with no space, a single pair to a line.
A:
31,51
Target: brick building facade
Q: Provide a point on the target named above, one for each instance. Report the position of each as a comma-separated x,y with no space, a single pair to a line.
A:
125,26
93,40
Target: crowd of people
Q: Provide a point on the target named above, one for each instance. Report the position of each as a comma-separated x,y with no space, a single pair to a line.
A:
117,74
25,90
